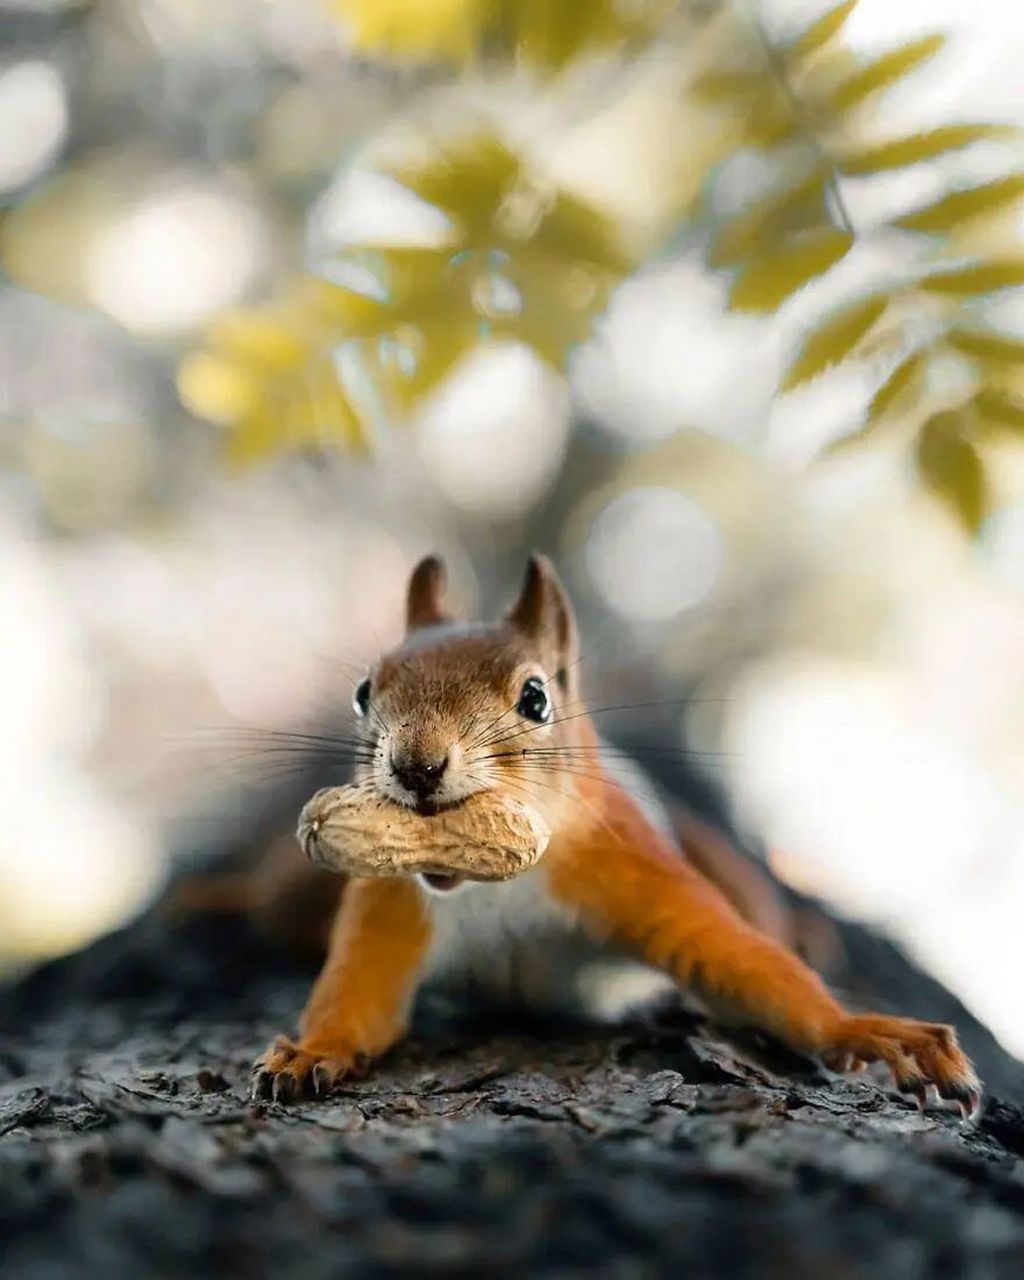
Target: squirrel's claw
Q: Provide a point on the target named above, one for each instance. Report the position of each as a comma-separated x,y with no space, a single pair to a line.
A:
260,1083
288,1073
919,1055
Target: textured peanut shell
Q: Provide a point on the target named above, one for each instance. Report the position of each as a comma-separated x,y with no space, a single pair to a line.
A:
357,831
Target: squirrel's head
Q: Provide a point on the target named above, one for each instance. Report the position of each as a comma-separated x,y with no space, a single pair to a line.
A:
463,707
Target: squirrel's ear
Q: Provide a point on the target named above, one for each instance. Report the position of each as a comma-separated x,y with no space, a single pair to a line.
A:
423,605
544,614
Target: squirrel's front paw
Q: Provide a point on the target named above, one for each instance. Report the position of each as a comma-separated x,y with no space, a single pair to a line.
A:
918,1054
289,1071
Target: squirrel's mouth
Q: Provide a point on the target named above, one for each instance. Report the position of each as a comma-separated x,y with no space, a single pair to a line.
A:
430,808
441,883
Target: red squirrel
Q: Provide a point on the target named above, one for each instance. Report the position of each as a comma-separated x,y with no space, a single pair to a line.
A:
460,708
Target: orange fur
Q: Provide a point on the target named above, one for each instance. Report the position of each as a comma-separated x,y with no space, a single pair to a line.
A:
629,884
450,695
359,1004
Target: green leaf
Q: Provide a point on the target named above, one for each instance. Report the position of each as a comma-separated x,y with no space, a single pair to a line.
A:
977,278
982,344
959,207
1000,410
794,209
902,378
951,467
771,277
884,72
833,341
919,147
819,33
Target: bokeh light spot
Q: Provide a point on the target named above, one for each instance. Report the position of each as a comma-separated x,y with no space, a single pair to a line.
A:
653,553
496,433
33,121
177,257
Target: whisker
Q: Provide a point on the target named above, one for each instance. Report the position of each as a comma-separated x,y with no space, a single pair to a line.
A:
291,735
477,706
567,795
610,751
477,740
589,776
299,753
592,711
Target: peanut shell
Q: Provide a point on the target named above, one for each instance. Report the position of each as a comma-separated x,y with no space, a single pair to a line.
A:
357,831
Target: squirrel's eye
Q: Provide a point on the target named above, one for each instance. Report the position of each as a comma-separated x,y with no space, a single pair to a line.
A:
534,703
361,698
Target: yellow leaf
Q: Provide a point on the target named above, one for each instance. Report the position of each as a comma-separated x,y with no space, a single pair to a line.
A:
884,72
833,341
416,29
725,88
903,378
331,308
572,229
269,375
558,308
819,33
758,108
551,32
795,209
977,278
1000,410
215,388
982,344
307,410
771,277
959,207
467,181
950,466
258,335
918,147
432,354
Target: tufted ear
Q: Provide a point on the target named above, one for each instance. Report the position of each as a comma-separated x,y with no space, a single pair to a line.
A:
423,607
544,615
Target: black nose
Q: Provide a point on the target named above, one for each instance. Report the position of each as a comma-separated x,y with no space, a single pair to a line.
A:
419,776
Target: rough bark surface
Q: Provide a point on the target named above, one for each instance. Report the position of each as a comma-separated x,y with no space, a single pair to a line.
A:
128,1145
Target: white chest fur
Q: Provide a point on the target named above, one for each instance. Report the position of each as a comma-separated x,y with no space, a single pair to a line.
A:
513,942
510,940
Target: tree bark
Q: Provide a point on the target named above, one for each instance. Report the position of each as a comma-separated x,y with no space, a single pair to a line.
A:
129,1146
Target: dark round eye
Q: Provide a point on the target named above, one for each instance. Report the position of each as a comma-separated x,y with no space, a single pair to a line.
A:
534,703
361,698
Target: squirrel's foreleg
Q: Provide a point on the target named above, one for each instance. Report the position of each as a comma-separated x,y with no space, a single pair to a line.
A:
359,1004
628,884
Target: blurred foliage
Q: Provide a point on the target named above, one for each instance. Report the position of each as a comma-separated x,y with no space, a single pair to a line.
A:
542,33
521,261
526,260
782,132
812,92
271,373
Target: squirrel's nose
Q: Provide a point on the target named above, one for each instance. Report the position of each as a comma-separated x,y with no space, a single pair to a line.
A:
419,776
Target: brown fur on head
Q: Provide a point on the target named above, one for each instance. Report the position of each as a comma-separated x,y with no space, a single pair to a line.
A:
463,707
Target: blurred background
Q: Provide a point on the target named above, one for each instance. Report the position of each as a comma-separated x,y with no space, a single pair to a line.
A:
718,304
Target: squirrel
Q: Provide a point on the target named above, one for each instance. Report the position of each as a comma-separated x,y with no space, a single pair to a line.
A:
463,707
